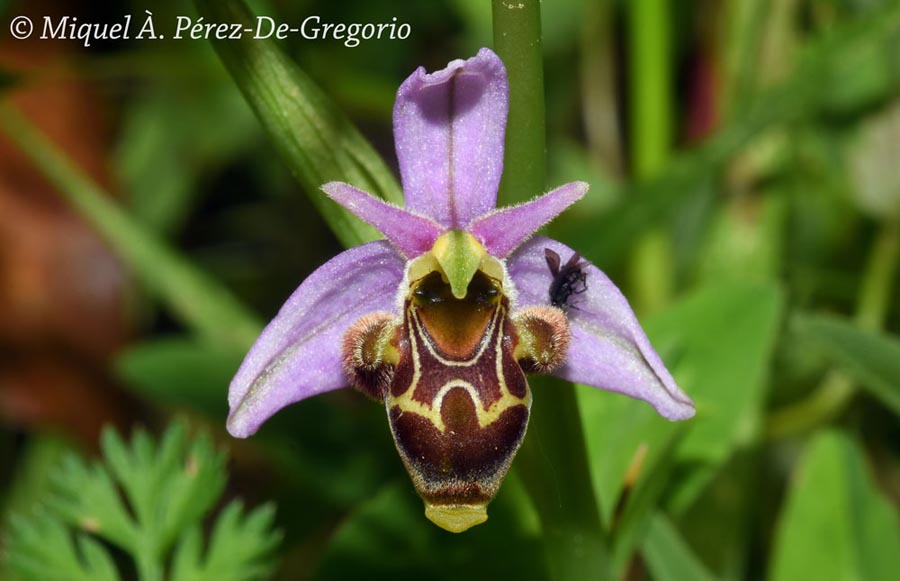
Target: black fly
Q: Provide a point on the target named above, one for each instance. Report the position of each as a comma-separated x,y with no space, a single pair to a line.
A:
568,279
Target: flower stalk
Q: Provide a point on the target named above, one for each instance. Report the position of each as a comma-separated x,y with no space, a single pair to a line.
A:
517,41
553,459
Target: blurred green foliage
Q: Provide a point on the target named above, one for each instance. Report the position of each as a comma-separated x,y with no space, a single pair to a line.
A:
773,202
835,525
166,490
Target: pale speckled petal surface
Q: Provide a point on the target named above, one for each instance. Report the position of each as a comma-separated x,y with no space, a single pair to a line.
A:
609,349
298,353
409,233
503,230
449,128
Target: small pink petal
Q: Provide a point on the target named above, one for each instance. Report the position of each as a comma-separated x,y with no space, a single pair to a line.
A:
410,233
503,230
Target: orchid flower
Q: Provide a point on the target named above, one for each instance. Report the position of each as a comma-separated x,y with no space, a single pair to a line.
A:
440,321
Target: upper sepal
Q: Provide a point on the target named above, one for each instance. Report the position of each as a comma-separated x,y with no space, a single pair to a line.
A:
449,128
298,355
608,349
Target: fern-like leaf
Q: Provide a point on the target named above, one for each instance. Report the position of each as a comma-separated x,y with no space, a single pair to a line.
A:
148,500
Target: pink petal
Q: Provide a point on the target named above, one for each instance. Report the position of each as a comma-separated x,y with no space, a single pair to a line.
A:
410,233
298,353
503,230
449,128
609,349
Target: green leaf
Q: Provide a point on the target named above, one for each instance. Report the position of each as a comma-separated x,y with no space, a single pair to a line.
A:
167,489
835,524
34,472
724,338
200,301
87,498
148,499
390,519
314,137
722,335
238,549
643,489
746,240
721,526
41,548
180,372
668,556
872,359
717,343
173,136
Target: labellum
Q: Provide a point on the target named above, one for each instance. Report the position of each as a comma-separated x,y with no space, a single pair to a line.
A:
450,373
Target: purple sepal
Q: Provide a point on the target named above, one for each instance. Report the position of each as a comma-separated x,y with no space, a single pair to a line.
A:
298,355
609,349
449,128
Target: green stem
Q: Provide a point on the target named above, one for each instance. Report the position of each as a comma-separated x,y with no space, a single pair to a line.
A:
317,141
553,459
875,293
517,40
650,85
873,304
149,568
554,467
204,305
651,136
599,101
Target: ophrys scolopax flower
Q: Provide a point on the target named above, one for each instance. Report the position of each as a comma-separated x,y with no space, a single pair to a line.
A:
441,320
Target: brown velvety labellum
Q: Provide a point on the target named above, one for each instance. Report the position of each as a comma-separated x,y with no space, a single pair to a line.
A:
458,402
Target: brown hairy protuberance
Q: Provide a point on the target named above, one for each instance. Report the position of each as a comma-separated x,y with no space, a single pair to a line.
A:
369,353
543,338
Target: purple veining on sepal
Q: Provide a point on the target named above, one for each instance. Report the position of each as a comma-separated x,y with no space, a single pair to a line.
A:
298,353
609,349
449,129
410,233
504,229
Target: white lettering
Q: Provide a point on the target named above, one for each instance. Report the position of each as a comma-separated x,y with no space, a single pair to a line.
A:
315,31
148,28
50,32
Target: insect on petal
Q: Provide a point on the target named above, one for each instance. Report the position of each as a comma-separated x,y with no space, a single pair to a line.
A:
609,349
